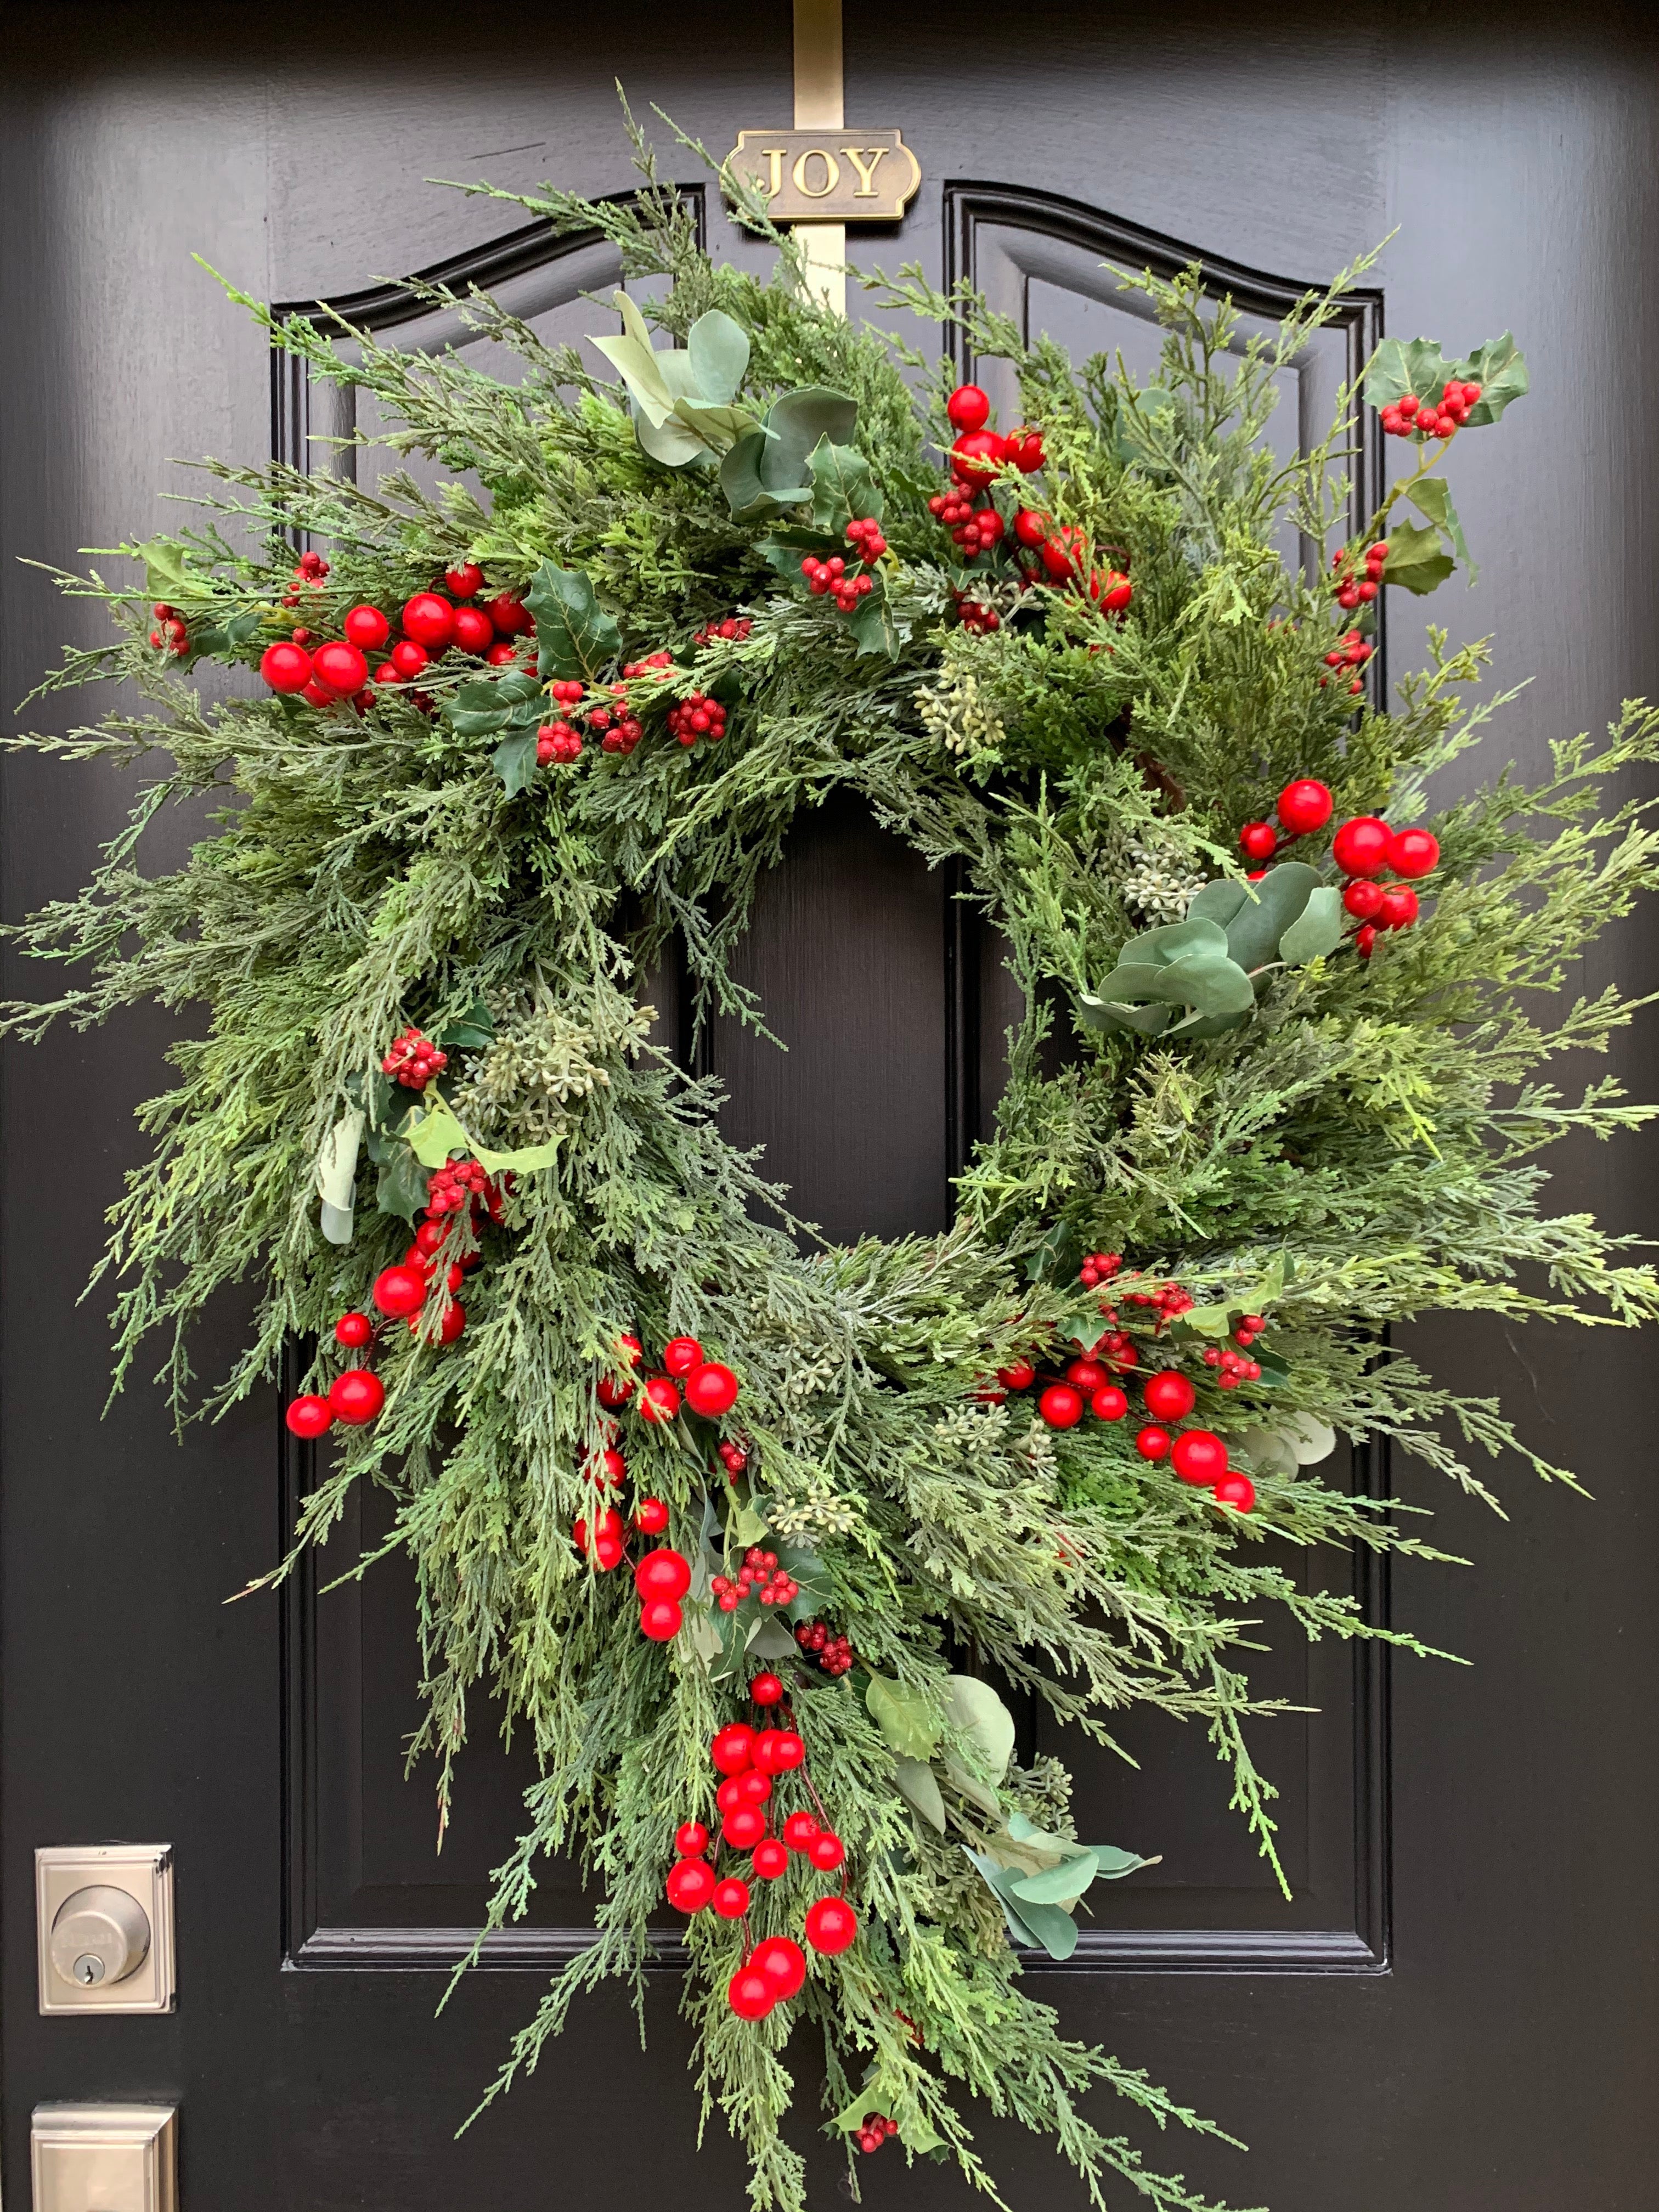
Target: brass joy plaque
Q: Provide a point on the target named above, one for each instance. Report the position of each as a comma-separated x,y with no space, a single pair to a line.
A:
830,176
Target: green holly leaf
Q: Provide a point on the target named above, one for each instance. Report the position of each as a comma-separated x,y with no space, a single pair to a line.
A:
1499,367
468,1032
514,761
1415,559
904,1715
843,489
1433,501
171,573
1056,1256
1399,366
401,1188
917,1783
574,635
872,623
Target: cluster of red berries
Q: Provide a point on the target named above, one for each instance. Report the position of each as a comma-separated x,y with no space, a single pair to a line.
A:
734,1458
652,663
697,716
354,1397
848,585
172,632
874,2128
979,452
1365,849
660,1581
1198,1456
459,1183
749,1760
1353,590
1168,1302
864,533
975,617
414,1060
310,569
759,1576
975,528
1352,651
558,741
605,1544
733,628
711,1390
1236,1367
1304,805
1412,417
1098,1267
430,623
820,1647
1063,556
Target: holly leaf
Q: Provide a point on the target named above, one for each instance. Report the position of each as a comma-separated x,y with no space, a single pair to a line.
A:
1399,366
574,635
401,1189
514,761
471,1031
976,1713
1433,501
871,623
1415,559
1057,1255
843,489
904,1715
917,1783
170,572
1499,367
746,1527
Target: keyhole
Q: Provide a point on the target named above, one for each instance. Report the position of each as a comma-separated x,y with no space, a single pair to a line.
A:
89,1969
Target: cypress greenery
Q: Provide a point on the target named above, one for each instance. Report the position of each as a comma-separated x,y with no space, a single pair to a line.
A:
1357,1148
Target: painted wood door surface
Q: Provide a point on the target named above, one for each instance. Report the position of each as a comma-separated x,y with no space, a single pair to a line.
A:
1457,2011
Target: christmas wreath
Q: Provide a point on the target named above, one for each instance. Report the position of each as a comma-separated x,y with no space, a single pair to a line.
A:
744,1530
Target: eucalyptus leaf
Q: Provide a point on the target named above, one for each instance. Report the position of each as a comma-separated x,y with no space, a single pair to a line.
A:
672,442
975,1711
904,1715
746,495
1112,1863
769,1639
746,1526
1254,916
918,1785
793,426
719,352
1317,930
1062,1885
970,1787
719,427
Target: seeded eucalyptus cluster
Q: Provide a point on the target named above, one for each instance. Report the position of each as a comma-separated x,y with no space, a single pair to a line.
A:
1224,1163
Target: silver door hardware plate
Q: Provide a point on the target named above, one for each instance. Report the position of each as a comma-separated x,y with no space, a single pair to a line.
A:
105,2158
104,1927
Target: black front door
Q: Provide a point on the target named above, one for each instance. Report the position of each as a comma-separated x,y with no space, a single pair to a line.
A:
1456,2012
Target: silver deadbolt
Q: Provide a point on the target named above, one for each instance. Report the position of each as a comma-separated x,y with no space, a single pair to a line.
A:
100,1934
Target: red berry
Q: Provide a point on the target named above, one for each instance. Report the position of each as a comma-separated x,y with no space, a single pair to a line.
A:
354,1330
770,1859
832,1926
463,580
1153,1443
731,1897
711,1390
367,629
798,1830
1108,1403
663,1573
743,1828
1397,909
968,408
400,1291
692,1883
681,1354
660,1619
1170,1396
1413,853
659,1400
1019,1375
1031,528
511,616
356,1396
690,1839
474,631
767,1690
408,658
309,1416
731,1748
1259,841
1061,1405
749,1994
285,667
340,667
974,458
1304,805
1235,1489
783,1963
429,620
1198,1457
651,1517
1361,846
1365,940
753,1788
1362,898
826,1853
778,1750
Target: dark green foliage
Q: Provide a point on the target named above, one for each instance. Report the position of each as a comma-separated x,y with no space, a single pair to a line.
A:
1356,1149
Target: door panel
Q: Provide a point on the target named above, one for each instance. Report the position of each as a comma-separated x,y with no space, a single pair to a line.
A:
1485,2042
